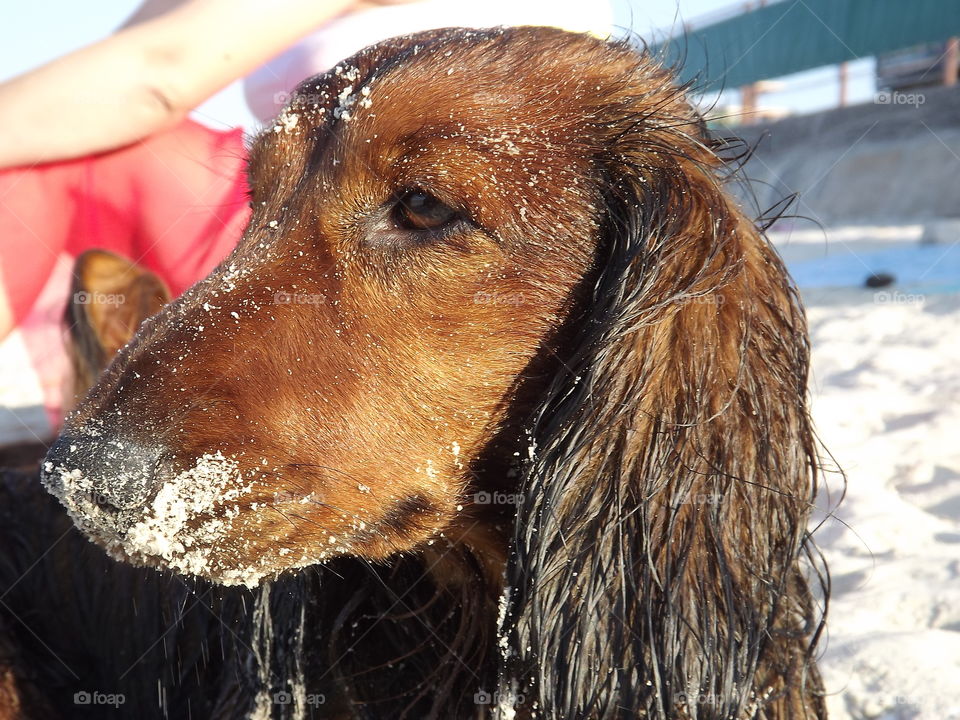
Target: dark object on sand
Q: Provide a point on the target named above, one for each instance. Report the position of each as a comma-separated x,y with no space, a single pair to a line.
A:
879,280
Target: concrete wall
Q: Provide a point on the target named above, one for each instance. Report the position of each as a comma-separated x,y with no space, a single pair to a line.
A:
877,163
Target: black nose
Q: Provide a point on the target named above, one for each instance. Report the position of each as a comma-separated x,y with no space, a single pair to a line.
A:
115,474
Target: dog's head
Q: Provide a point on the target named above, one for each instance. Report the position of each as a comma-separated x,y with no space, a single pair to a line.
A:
457,236
421,217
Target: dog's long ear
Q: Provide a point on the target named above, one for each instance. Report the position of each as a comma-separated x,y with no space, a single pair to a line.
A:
656,563
109,298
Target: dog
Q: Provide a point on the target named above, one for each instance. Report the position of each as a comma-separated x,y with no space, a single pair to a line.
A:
501,363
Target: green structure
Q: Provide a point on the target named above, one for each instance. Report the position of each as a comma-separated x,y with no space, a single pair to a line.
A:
794,35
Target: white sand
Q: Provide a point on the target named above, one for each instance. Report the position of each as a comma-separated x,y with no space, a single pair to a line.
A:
886,392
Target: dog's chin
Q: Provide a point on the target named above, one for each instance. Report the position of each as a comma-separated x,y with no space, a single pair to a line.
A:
205,562
208,549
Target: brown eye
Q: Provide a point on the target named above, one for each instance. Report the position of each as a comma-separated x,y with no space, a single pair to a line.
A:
417,210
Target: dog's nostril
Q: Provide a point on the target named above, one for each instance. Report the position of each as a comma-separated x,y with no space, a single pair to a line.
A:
111,473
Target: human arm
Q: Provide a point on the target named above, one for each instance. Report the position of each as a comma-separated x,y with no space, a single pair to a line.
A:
169,57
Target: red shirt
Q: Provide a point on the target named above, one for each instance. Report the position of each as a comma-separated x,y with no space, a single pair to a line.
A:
175,203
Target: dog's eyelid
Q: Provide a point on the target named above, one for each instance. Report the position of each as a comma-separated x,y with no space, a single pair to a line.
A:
417,209
439,193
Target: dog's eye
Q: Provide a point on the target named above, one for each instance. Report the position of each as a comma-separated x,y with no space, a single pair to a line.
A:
417,210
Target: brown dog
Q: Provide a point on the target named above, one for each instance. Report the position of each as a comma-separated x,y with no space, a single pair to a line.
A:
494,316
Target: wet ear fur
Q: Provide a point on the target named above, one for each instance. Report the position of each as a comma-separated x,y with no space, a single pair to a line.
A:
656,563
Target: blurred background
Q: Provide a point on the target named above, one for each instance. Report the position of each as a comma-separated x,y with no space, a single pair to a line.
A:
851,108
